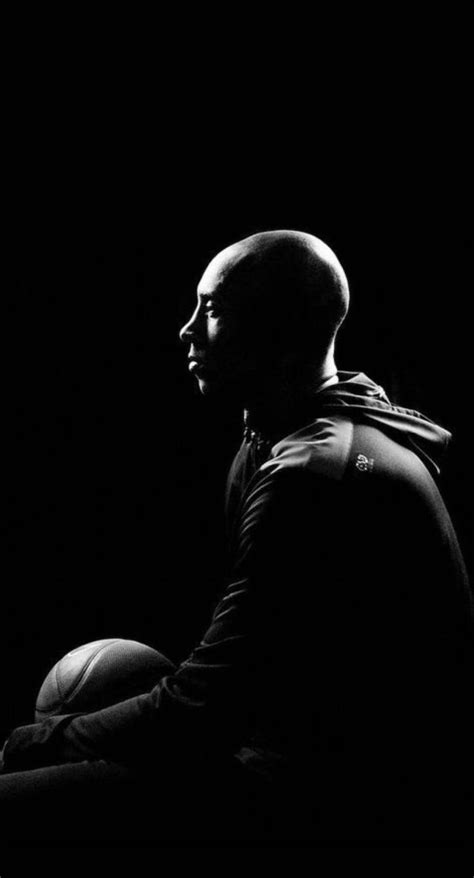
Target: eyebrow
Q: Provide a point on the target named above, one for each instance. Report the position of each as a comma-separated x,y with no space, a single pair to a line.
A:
211,297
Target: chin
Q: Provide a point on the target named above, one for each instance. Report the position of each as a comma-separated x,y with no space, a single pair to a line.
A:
208,387
220,388
205,387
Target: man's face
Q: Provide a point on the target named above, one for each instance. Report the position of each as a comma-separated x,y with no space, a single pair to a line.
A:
219,334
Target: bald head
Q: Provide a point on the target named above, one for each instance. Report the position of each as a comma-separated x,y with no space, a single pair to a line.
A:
268,309
289,281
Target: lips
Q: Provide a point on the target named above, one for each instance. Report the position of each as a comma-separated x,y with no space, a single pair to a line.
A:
196,364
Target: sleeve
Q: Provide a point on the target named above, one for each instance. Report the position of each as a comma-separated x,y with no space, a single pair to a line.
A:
205,706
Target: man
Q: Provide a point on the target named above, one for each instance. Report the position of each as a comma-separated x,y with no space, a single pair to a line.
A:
331,691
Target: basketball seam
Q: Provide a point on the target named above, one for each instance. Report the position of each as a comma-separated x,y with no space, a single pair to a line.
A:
68,698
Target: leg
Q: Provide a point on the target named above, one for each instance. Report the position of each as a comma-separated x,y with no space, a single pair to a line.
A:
100,802
73,802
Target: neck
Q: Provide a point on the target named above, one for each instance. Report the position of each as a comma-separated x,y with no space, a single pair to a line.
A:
278,407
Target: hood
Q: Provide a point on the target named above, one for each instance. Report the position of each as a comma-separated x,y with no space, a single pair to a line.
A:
360,398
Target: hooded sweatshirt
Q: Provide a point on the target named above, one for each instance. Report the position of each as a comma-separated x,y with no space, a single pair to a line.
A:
339,654
355,398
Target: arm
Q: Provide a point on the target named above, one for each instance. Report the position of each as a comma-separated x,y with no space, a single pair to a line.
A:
206,705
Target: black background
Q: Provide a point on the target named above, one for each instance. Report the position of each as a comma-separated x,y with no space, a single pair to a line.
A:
115,466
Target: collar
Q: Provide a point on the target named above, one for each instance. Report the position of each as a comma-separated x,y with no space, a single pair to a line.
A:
252,434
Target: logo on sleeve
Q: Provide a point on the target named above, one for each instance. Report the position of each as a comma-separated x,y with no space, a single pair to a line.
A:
364,464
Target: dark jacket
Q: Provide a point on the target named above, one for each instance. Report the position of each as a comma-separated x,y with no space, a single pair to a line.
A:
338,662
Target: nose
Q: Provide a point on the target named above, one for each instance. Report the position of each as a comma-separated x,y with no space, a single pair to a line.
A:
188,332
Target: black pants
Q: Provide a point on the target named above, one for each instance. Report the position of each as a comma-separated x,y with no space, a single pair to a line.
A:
104,803
91,802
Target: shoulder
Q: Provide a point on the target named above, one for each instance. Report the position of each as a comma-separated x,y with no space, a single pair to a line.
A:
295,493
304,465
322,448
338,447
339,452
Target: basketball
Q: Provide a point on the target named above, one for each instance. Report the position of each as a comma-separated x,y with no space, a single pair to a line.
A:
99,674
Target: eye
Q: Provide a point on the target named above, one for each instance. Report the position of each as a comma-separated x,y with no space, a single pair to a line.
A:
211,311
